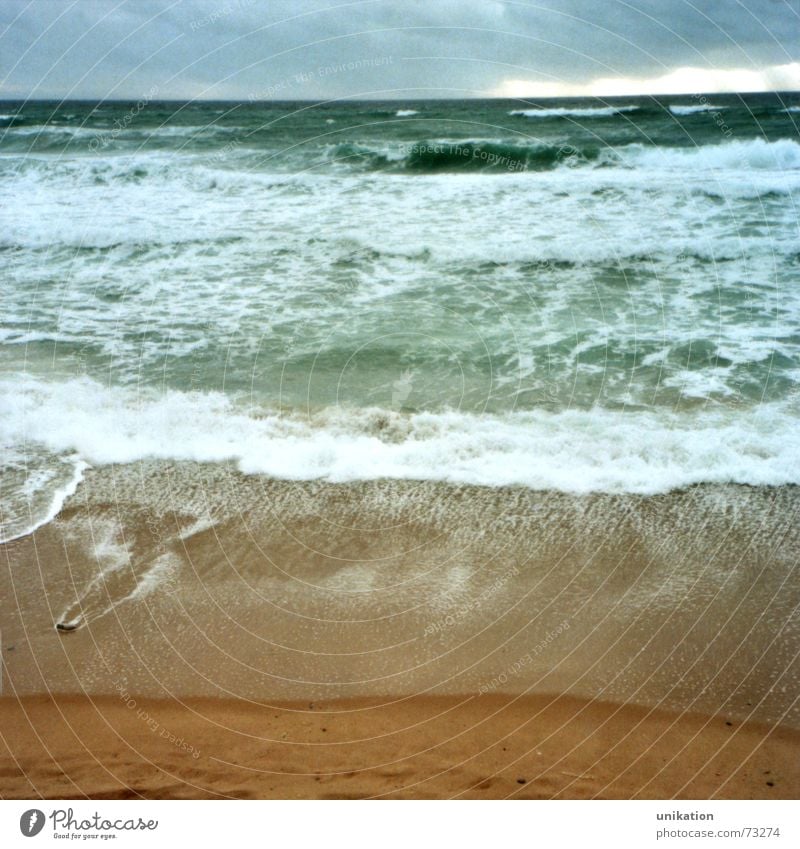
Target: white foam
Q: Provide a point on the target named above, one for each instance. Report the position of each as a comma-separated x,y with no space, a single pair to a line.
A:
574,450
106,547
198,526
563,111
44,130
681,109
58,498
156,577
94,601
406,113
754,154
66,491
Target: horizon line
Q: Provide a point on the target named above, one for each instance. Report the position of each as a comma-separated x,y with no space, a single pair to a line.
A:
346,99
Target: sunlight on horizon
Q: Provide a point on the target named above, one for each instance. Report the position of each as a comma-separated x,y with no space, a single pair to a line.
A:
685,80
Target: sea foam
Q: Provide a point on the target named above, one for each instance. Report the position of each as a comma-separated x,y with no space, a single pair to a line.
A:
693,109
574,450
576,112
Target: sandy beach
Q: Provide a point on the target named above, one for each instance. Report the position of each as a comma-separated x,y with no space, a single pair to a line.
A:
473,643
400,401
486,747
373,508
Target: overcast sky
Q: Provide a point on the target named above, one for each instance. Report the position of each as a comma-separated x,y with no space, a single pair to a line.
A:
287,49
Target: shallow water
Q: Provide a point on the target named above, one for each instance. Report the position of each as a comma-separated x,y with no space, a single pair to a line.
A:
577,295
196,579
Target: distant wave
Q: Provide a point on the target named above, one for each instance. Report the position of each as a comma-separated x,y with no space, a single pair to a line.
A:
405,113
573,450
755,155
21,136
679,109
182,131
566,111
773,160
442,155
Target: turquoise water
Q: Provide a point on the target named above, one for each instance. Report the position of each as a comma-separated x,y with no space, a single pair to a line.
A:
575,295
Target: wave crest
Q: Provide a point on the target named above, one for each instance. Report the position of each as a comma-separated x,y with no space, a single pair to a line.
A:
442,155
574,450
574,112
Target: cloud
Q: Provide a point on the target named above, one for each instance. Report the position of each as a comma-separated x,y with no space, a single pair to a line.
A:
232,48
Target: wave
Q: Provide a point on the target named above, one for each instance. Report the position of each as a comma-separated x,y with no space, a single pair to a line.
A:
486,155
42,495
575,451
406,113
428,156
680,109
61,138
755,155
8,122
422,156
179,130
576,112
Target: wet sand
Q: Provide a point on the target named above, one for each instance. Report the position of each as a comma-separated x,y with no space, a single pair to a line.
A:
435,747
429,626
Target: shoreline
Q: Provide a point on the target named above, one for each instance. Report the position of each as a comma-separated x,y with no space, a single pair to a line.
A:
414,641
491,747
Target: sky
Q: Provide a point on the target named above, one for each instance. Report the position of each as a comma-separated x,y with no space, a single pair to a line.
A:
405,49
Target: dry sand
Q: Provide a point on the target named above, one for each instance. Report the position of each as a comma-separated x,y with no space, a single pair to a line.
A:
491,746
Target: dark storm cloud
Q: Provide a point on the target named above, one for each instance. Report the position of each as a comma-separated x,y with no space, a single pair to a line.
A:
404,48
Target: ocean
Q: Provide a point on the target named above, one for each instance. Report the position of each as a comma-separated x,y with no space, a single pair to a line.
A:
367,362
